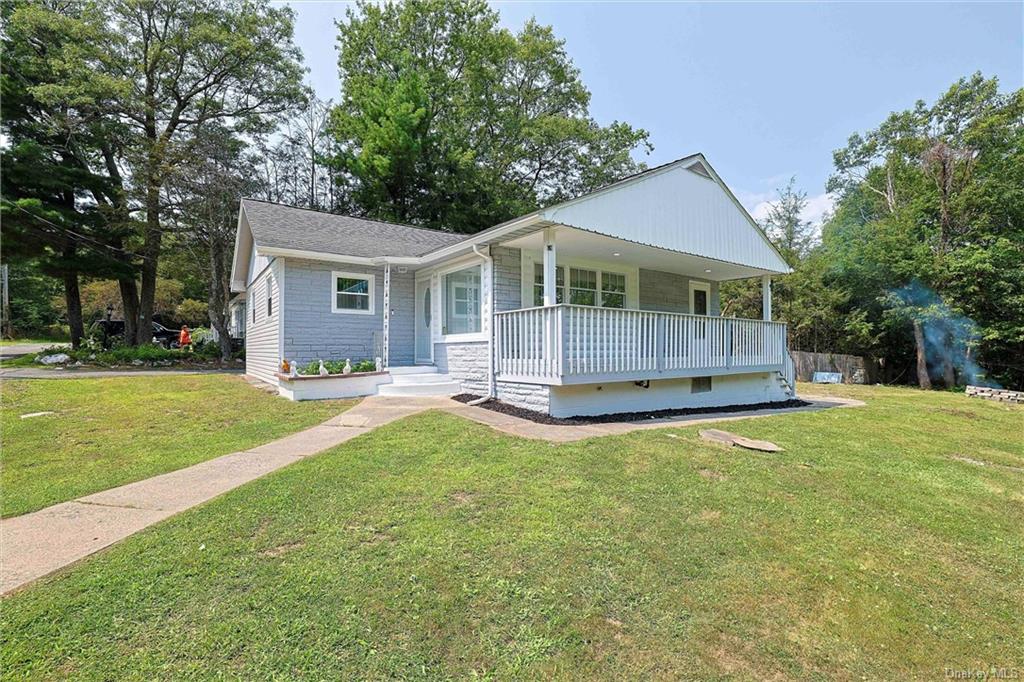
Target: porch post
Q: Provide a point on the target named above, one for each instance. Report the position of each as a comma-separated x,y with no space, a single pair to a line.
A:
550,297
766,297
386,316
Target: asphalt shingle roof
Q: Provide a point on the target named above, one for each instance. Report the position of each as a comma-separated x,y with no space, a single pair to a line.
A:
288,227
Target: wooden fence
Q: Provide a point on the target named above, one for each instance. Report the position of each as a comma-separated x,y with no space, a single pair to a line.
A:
855,369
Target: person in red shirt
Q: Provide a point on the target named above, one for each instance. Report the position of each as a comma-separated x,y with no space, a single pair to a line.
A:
185,338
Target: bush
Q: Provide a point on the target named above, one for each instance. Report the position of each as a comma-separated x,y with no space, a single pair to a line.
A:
191,312
93,353
337,367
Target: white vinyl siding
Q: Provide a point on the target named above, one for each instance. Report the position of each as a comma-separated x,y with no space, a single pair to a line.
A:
262,331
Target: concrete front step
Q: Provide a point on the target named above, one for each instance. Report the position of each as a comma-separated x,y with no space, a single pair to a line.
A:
420,389
417,379
412,369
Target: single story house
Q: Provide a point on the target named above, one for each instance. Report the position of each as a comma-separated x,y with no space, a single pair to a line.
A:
605,303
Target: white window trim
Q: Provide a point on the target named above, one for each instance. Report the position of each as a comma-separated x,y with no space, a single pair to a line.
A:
443,299
706,288
371,279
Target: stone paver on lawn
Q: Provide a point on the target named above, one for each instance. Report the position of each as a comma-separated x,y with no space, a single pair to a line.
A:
39,543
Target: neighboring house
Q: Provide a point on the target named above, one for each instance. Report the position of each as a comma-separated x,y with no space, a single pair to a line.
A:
605,303
236,316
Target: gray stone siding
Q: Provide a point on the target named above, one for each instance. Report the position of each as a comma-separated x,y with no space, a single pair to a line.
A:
311,330
529,396
467,363
668,292
508,292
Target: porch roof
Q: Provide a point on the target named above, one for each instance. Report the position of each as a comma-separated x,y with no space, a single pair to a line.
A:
576,243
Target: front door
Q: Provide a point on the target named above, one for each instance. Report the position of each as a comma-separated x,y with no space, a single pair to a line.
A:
424,346
700,293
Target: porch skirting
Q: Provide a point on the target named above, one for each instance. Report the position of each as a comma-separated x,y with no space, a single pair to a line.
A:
584,400
467,363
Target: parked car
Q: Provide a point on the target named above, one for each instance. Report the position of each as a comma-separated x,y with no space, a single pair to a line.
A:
168,338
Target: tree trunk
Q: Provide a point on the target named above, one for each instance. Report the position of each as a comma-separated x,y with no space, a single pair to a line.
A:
220,295
948,373
150,257
923,379
130,305
73,300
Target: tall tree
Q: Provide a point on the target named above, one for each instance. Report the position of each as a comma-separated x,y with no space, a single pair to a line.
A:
929,232
205,197
166,68
54,190
448,121
785,225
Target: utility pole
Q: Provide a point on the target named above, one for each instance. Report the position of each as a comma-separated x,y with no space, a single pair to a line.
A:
5,314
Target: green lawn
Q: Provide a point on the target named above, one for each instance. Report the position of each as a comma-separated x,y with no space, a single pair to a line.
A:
437,548
107,432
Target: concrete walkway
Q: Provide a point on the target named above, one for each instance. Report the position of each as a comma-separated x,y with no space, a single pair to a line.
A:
39,543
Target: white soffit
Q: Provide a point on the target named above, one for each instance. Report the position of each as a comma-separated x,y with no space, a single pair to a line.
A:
676,208
574,244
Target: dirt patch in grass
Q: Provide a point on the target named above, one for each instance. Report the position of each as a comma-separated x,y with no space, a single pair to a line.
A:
979,463
712,475
542,418
461,497
952,411
283,549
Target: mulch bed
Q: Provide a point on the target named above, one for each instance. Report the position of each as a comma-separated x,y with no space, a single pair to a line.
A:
541,418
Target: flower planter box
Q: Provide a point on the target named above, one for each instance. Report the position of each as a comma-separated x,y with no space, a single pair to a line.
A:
316,387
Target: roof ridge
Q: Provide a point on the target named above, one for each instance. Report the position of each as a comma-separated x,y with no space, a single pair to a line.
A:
356,217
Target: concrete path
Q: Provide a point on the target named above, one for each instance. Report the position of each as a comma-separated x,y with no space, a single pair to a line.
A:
39,543
523,428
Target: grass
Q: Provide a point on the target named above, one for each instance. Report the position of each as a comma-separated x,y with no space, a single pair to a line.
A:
111,431
435,548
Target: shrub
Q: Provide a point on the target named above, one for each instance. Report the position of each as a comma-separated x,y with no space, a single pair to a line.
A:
336,367
191,312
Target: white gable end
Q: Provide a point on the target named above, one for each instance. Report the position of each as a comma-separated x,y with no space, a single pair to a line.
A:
676,208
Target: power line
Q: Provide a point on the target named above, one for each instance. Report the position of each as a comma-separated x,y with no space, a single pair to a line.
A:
64,230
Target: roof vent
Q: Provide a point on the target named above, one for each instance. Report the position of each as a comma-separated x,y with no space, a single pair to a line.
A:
700,169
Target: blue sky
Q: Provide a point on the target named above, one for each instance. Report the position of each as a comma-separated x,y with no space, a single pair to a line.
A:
765,90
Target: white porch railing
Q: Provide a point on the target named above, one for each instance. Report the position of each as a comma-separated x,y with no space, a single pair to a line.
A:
575,344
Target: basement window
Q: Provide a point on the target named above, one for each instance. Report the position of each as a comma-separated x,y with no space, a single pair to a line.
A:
700,385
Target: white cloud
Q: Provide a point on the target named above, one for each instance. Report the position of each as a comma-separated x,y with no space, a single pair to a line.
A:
817,209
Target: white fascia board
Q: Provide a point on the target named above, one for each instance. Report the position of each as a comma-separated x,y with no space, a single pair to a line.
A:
238,274
487,236
335,257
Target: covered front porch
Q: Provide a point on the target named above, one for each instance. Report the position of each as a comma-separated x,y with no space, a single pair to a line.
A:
596,308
